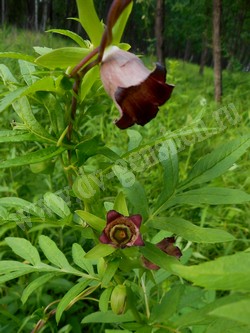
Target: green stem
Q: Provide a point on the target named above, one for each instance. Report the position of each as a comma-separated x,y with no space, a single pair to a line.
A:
145,296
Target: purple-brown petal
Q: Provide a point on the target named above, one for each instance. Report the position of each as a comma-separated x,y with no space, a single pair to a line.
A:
148,264
139,241
122,231
112,215
104,238
167,246
136,219
139,104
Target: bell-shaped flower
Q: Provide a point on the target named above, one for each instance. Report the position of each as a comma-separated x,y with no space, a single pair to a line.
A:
136,91
122,231
166,245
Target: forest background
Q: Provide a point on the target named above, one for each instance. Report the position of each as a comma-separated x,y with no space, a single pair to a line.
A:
187,26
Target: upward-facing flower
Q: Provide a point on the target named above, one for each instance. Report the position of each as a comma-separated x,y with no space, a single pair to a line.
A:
122,231
136,91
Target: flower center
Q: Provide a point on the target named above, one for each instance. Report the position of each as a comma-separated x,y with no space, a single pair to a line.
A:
120,234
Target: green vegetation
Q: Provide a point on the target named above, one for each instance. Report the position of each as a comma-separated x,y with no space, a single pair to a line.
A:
186,173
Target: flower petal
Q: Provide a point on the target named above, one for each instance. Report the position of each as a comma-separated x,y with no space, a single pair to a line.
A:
136,219
139,104
104,238
139,241
167,246
112,215
148,264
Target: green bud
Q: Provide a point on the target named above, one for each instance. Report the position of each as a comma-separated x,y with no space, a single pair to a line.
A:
86,189
42,167
118,299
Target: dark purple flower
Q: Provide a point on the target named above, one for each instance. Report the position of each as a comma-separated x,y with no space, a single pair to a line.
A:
167,246
136,91
122,231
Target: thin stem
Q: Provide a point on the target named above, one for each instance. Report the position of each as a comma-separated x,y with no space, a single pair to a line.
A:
84,62
145,297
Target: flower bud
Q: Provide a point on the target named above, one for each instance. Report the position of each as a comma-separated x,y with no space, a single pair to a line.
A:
85,188
118,299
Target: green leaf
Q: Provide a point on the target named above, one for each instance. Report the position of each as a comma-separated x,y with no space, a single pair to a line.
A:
90,21
135,139
158,257
138,198
27,70
10,98
104,299
190,231
16,136
16,55
225,273
133,190
3,214
120,204
8,79
107,317
44,84
109,153
89,147
34,157
120,25
69,297
23,110
62,58
7,266
169,160
94,221
35,284
52,253
21,204
212,196
78,255
238,311
56,204
23,248
87,82
14,275
55,111
14,202
168,305
100,251
110,272
41,50
75,37
202,315
217,162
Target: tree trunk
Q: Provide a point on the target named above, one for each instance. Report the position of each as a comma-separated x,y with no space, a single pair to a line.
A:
187,53
3,12
45,15
159,31
217,8
36,15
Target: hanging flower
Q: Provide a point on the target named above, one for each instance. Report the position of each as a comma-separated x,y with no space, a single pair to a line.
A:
167,246
136,91
122,231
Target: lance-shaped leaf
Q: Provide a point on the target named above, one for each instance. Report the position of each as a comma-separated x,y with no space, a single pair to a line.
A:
31,158
90,21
